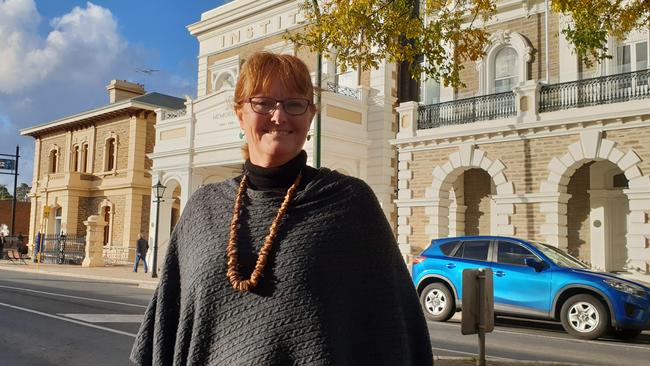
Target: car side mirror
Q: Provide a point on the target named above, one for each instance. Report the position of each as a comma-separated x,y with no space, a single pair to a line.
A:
533,262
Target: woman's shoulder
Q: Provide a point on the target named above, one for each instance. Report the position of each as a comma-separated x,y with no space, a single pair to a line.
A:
335,185
212,191
209,196
334,179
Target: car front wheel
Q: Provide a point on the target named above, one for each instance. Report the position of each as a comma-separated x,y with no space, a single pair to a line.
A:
585,317
437,302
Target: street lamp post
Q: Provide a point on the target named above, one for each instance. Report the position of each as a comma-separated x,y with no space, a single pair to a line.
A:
158,191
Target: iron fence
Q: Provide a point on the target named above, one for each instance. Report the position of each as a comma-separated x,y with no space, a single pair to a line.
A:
595,91
461,111
344,90
63,249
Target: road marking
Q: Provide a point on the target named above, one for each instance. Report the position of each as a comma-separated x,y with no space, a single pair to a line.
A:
472,354
556,338
68,320
74,297
106,318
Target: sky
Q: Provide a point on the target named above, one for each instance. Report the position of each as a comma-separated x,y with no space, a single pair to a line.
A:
57,56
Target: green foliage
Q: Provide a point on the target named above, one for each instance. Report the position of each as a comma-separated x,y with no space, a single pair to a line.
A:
594,20
4,193
363,32
22,192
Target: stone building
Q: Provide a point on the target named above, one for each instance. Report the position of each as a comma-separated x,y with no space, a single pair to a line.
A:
95,163
537,145
201,143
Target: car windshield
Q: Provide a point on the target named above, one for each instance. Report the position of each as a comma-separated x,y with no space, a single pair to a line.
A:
559,257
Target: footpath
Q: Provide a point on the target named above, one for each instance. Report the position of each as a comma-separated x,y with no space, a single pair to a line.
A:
125,274
116,273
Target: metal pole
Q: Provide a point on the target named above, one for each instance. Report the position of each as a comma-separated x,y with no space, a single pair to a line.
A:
154,271
319,72
548,77
13,205
481,318
319,66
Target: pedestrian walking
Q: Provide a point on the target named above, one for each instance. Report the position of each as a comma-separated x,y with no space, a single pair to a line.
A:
37,247
141,248
2,245
284,264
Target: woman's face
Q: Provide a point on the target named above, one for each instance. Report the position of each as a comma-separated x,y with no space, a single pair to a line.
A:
274,138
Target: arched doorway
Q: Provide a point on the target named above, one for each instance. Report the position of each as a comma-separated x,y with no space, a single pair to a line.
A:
175,208
468,184
106,213
597,213
600,191
479,189
609,209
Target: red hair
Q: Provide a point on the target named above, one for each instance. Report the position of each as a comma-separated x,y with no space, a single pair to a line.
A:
264,68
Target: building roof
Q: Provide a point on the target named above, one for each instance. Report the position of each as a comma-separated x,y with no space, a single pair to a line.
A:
149,101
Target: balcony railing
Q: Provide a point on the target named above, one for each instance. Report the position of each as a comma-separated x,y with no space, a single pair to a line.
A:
344,91
461,111
173,114
595,91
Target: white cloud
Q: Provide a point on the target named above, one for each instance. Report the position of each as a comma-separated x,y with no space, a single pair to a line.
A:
83,44
64,71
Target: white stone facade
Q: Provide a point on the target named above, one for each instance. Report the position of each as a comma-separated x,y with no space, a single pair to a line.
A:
202,143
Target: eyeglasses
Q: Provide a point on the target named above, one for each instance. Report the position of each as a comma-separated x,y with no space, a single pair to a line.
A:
292,106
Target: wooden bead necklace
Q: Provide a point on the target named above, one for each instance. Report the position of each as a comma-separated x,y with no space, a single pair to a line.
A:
233,274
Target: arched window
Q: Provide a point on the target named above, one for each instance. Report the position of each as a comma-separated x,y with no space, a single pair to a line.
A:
107,228
506,62
84,158
58,215
505,70
224,81
54,161
111,151
75,158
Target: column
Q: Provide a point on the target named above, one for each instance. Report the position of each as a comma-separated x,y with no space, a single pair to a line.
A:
555,229
94,242
638,232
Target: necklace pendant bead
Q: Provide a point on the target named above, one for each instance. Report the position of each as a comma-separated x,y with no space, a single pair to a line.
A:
231,250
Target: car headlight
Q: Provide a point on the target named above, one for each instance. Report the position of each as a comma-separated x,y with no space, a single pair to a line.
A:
626,287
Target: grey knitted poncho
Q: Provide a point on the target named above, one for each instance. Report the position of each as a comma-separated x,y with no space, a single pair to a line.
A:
335,290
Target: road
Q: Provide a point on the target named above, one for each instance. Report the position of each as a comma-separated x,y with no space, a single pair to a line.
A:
538,341
51,320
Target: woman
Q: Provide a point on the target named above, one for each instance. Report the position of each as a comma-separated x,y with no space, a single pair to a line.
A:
286,264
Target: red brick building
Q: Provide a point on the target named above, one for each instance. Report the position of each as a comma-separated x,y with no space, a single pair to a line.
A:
22,216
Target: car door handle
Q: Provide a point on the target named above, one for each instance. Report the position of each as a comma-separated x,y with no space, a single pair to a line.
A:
450,265
500,273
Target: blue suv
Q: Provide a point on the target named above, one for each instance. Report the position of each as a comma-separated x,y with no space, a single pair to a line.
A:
532,280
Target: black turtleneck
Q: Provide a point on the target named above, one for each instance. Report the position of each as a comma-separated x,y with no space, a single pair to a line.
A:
281,177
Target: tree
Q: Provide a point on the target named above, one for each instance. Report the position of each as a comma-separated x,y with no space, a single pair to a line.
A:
445,33
4,193
363,32
22,192
595,20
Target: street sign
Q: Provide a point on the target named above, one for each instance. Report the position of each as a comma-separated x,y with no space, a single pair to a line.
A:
478,301
7,164
478,306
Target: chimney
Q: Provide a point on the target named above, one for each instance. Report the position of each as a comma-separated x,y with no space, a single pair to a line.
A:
121,89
